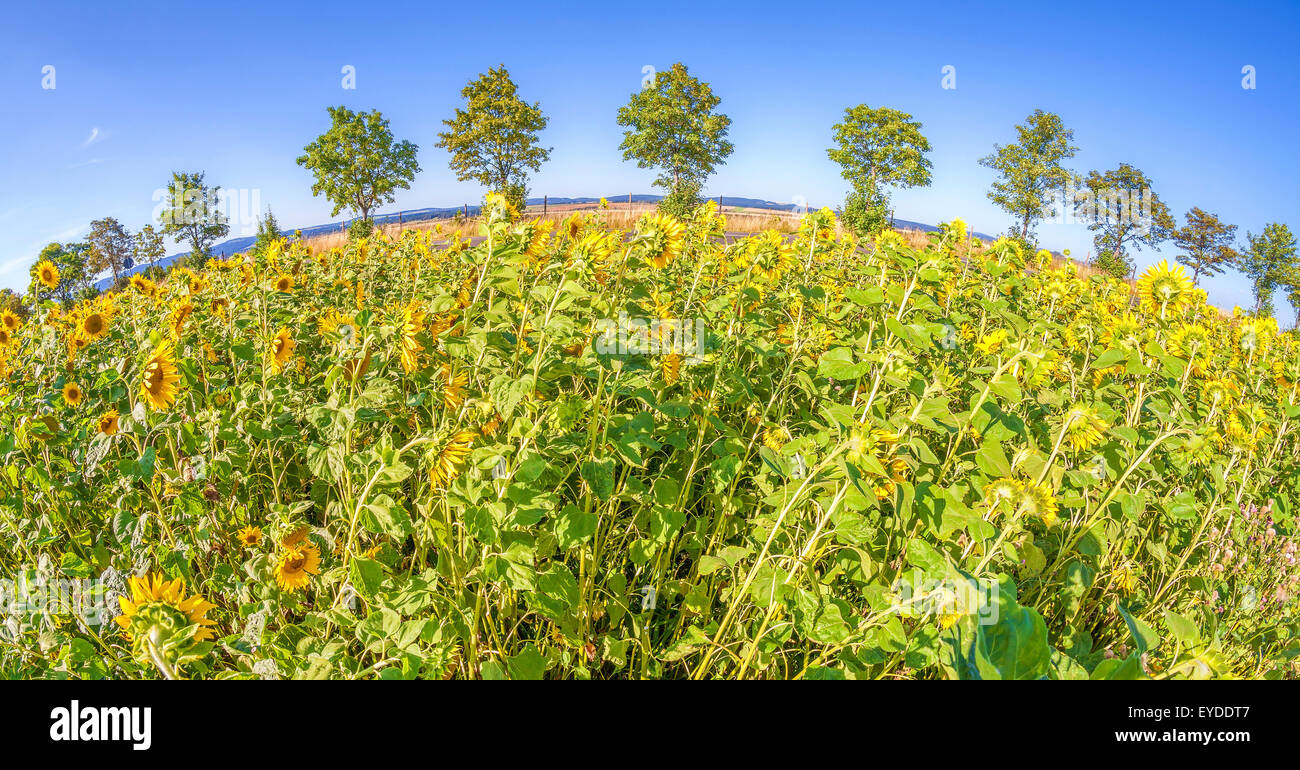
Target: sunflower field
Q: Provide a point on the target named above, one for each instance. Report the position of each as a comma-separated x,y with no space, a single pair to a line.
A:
426,457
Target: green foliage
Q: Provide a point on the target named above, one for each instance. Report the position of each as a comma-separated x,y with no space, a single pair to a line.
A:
192,213
1208,245
110,247
682,201
1126,215
357,164
268,230
1030,170
877,149
148,247
493,140
1269,261
73,263
672,125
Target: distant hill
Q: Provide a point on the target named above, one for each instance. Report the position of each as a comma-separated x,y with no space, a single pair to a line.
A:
237,245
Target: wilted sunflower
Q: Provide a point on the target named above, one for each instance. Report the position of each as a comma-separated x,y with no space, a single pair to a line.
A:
280,350
453,388
157,610
412,325
108,422
249,537
446,461
1164,288
72,394
158,385
1083,427
47,274
660,237
671,368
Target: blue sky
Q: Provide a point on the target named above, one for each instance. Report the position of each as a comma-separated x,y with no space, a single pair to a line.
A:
237,89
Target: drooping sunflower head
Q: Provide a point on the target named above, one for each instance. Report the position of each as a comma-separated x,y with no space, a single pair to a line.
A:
445,459
768,255
1083,427
1162,288
158,385
108,422
47,274
1038,500
280,350
159,616
412,325
660,237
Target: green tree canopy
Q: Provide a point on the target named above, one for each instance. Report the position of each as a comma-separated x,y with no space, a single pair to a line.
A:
148,247
357,163
1207,244
1030,170
72,260
1125,215
673,125
111,247
493,141
878,149
192,214
1269,261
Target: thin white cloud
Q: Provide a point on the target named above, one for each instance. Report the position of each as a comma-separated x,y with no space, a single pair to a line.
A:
90,162
95,136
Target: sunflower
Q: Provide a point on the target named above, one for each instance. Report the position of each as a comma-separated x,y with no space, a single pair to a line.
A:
768,255
143,285
10,321
445,463
453,391
249,537
412,325
1002,491
93,325
671,368
992,342
1164,288
296,564
280,350
6,337
158,385
661,237
1038,500
284,284
47,274
107,423
1083,427
158,608
72,394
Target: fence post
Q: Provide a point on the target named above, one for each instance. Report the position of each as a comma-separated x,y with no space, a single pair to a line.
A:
545,198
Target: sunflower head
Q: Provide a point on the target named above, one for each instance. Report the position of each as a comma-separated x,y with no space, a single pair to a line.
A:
72,394
445,460
108,422
1083,427
47,274
296,563
249,537
284,284
280,350
158,385
9,320
660,237
1163,288
160,620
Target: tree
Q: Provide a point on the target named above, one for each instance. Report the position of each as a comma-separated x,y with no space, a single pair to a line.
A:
493,141
358,164
672,125
1208,245
1125,214
111,247
148,247
72,261
1269,261
1030,170
268,230
192,213
878,149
